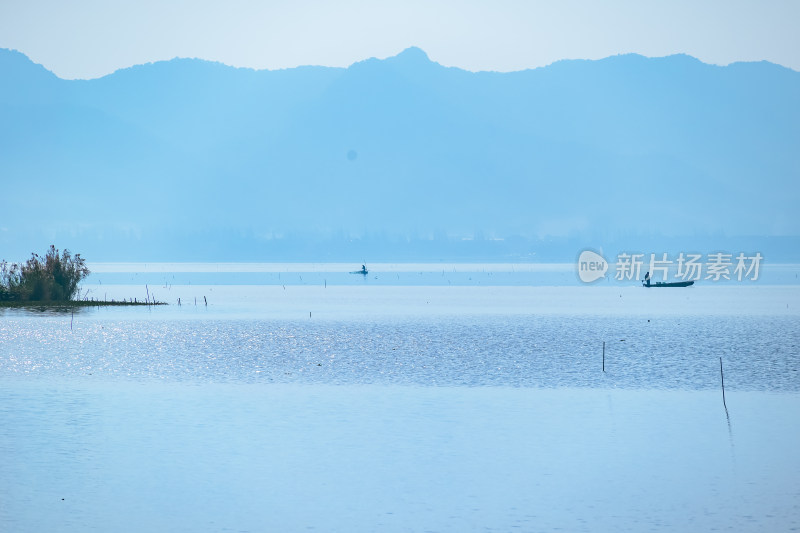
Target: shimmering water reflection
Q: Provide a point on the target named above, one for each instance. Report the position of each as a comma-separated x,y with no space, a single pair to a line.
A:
760,353
452,336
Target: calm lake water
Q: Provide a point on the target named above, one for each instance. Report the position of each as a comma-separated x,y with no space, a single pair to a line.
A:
479,398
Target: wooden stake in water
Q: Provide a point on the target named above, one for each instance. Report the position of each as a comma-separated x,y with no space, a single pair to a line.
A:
604,356
722,379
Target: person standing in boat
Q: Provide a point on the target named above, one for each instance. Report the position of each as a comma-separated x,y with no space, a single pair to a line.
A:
647,278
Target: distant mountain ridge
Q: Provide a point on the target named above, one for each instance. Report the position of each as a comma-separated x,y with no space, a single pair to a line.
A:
190,151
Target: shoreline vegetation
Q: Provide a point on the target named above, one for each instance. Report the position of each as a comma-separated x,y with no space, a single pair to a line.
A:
51,282
53,304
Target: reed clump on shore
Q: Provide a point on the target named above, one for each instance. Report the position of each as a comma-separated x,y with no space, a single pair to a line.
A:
50,280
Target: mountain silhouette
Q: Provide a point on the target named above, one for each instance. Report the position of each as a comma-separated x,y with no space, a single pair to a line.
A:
190,153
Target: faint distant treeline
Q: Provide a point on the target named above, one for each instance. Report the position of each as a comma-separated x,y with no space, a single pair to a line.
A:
51,278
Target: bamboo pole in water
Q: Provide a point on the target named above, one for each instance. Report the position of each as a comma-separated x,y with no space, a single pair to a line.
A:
722,380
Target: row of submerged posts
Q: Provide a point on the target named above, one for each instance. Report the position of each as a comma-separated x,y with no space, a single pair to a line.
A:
205,300
150,299
195,301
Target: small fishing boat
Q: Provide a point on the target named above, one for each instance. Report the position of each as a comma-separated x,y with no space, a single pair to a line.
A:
363,270
646,283
668,284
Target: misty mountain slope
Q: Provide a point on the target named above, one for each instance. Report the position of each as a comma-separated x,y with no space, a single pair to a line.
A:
403,147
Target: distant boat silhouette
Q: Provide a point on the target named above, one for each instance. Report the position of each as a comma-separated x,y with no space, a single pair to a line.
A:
363,270
646,283
670,284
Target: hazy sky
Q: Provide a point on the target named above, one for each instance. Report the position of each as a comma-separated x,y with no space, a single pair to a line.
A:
86,39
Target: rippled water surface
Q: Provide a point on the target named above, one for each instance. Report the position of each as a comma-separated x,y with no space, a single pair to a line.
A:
453,336
760,353
391,407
